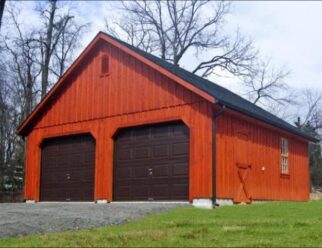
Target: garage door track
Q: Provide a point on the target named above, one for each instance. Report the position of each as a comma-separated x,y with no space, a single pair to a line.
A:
25,219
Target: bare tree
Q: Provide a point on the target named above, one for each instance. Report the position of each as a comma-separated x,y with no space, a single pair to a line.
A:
67,43
11,146
58,40
135,35
11,166
266,85
30,58
170,29
19,90
2,4
310,110
310,121
23,51
3,130
54,26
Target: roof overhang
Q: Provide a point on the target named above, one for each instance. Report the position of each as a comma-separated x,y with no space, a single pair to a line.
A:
299,133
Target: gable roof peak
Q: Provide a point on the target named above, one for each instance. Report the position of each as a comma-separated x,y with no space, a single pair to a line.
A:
201,86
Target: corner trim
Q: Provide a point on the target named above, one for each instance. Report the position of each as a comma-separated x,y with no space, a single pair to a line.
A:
214,149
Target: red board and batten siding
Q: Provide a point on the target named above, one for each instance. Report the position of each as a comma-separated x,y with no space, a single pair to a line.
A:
132,94
261,149
135,93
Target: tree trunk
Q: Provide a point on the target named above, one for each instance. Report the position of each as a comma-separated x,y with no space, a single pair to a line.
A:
2,3
48,47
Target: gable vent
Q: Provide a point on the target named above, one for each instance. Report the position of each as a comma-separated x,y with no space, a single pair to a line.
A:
105,65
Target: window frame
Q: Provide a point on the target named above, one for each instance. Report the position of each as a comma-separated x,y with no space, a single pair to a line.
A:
105,56
284,157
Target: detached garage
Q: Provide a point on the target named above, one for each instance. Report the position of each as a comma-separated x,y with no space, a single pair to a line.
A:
124,125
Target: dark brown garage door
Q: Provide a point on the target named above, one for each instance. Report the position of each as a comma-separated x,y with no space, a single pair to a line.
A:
152,163
67,169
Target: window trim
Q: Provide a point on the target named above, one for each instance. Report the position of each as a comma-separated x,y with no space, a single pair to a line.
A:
284,158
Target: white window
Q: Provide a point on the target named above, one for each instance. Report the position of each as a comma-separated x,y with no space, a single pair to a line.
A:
284,156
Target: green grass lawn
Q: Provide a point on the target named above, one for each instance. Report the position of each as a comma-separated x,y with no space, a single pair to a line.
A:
266,224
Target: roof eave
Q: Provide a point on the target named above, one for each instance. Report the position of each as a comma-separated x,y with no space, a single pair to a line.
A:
301,134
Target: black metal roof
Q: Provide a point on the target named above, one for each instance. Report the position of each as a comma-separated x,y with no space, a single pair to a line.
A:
222,95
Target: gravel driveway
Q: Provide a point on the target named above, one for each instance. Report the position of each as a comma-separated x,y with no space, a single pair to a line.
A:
24,219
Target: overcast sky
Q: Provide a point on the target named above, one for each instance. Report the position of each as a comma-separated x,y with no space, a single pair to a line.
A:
289,33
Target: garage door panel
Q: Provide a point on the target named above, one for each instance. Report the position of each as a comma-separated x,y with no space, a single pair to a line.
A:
151,142
129,173
160,151
80,176
169,180
161,132
124,173
51,195
179,191
134,192
179,132
54,177
150,161
161,171
141,133
69,165
180,149
124,192
132,182
124,137
88,158
139,172
54,185
140,192
67,169
125,154
160,191
141,152
179,169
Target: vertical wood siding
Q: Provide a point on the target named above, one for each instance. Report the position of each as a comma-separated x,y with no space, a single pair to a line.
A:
261,149
135,94
130,87
132,94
